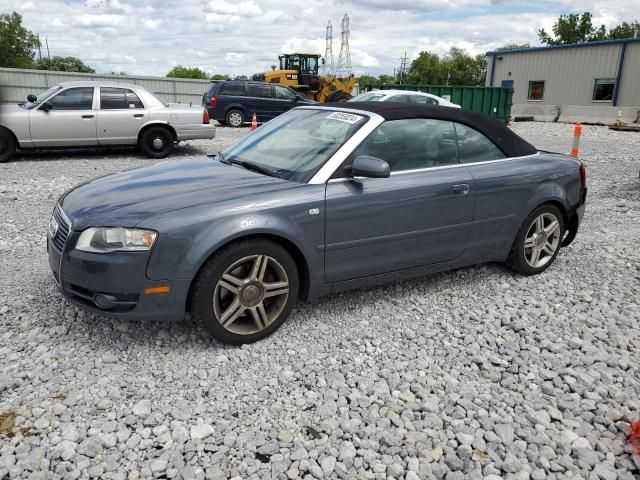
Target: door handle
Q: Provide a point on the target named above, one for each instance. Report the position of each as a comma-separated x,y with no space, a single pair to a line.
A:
87,116
138,115
460,189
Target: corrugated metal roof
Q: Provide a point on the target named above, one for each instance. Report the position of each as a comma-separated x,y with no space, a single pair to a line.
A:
570,45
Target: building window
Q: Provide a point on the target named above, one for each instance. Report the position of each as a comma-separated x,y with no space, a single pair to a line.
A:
536,90
603,89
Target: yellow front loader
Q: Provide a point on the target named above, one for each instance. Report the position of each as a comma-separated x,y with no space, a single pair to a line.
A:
299,71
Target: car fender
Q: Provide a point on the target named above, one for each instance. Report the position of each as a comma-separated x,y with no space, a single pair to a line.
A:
235,106
548,192
156,122
198,243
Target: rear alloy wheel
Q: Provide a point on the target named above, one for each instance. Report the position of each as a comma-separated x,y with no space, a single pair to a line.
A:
235,118
538,241
245,291
157,142
7,145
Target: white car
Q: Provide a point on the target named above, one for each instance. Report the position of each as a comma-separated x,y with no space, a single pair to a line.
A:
403,96
93,114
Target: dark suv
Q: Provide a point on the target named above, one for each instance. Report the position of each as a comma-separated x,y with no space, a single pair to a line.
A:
234,102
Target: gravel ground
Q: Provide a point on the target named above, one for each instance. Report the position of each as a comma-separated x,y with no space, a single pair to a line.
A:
475,373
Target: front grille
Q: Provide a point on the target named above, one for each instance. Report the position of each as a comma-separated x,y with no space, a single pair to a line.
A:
63,229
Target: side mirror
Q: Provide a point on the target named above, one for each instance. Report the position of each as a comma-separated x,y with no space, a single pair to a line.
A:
32,98
299,97
370,167
46,106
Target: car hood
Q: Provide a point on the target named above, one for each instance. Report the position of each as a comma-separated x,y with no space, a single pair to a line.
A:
9,108
129,197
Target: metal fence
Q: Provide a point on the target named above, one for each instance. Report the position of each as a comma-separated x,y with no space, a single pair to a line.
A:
16,84
494,101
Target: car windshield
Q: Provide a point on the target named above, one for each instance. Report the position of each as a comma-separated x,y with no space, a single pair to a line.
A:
295,145
368,97
42,96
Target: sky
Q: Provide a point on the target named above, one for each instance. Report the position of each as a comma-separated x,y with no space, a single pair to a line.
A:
149,37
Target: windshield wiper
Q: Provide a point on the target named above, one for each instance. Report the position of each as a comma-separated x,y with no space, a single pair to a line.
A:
254,167
220,156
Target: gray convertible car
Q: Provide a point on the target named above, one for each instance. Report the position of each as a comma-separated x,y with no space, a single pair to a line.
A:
321,199
100,114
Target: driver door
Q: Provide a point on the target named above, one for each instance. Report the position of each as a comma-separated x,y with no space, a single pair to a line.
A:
418,216
71,121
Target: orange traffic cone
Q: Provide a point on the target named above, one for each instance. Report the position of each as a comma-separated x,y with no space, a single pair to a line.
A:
254,122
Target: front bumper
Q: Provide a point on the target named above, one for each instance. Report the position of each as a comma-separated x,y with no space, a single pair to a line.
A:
113,284
198,131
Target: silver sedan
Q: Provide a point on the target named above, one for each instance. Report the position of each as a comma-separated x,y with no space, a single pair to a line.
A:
91,114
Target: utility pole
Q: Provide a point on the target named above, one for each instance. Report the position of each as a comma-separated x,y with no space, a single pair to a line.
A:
403,66
39,49
343,69
48,54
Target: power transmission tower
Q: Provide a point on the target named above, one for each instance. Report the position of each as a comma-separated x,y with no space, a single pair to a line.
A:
328,51
344,69
403,67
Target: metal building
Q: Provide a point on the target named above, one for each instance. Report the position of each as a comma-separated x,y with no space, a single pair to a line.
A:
590,82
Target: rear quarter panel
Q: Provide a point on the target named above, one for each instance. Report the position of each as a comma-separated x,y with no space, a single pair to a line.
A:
506,192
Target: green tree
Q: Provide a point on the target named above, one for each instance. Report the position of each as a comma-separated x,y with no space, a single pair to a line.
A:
573,28
17,44
513,46
240,77
460,68
368,80
187,72
624,30
219,76
427,68
63,64
385,79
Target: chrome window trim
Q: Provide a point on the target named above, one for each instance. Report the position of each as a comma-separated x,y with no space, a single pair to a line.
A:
330,166
443,167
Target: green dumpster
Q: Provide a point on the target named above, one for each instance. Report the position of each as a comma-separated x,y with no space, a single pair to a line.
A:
494,101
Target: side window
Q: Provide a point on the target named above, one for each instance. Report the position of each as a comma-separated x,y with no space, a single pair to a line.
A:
118,99
399,99
424,100
284,93
409,144
79,98
473,146
236,88
259,90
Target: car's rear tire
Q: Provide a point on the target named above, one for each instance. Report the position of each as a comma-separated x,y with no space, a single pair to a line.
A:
245,291
538,241
338,96
234,118
7,145
156,142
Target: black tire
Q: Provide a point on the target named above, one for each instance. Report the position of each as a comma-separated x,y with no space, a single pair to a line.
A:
520,258
156,142
338,96
206,291
7,145
235,118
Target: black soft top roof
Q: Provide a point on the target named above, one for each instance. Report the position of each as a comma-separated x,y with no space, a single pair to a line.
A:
511,144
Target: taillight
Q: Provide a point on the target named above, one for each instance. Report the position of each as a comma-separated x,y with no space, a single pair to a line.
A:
213,102
583,175
205,116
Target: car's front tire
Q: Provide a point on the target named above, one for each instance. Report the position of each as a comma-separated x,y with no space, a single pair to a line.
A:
245,291
234,118
538,241
156,142
7,145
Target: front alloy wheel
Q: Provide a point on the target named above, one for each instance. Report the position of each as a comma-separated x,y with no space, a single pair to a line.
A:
245,291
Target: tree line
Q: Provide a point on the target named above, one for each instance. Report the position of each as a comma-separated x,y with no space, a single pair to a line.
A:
19,45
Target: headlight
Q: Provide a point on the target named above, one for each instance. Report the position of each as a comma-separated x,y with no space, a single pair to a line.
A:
112,239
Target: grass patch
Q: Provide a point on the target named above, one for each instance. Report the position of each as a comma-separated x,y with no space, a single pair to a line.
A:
7,423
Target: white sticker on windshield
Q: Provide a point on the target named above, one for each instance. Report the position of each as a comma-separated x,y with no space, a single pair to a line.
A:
345,117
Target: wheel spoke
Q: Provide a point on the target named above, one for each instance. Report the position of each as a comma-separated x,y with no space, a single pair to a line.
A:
551,229
259,315
539,224
234,282
548,249
275,289
535,255
529,242
232,312
259,267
